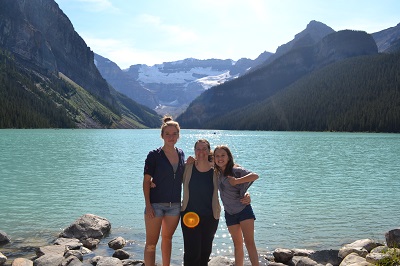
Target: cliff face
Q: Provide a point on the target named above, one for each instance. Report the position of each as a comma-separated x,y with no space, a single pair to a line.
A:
387,40
21,37
312,34
39,32
125,83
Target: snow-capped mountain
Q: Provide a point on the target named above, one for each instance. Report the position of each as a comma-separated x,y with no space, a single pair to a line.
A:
171,86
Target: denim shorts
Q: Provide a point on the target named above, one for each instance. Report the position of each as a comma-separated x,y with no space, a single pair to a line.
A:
246,213
166,209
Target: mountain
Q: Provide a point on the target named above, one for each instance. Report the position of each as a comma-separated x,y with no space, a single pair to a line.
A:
48,64
387,40
124,83
268,80
171,86
312,34
358,94
50,78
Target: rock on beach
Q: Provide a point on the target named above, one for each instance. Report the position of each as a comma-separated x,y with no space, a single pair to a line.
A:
77,245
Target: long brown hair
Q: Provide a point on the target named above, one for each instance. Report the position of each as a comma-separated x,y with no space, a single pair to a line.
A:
229,166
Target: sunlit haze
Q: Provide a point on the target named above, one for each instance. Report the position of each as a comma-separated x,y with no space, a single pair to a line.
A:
156,31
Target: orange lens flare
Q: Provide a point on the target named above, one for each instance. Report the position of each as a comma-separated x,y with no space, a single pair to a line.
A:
191,219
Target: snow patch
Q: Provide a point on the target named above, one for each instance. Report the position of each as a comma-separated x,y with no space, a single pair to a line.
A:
154,75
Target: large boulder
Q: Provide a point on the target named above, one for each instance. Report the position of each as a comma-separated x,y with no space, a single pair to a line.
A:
393,238
87,226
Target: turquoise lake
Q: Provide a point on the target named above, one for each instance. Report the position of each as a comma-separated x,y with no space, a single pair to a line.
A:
317,190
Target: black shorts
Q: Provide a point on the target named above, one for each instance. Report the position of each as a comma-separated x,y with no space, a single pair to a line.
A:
246,213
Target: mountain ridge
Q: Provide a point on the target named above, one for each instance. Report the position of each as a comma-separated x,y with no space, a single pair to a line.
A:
270,79
45,48
49,65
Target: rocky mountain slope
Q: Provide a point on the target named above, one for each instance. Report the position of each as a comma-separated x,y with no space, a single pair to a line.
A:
268,80
171,86
38,39
387,38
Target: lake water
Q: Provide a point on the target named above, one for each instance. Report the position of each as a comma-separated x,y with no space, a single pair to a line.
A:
315,191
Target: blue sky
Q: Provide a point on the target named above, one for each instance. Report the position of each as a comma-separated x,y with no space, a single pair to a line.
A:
150,32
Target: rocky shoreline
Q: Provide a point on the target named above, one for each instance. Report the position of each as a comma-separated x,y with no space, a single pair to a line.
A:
78,243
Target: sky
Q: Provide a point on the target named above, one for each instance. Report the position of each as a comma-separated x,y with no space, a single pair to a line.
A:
130,32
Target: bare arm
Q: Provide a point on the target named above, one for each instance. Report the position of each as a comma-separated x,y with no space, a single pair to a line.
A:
244,179
146,192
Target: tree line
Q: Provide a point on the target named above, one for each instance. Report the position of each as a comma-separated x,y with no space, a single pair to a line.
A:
22,103
360,94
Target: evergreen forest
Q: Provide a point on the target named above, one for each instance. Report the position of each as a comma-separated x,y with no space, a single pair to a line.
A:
360,94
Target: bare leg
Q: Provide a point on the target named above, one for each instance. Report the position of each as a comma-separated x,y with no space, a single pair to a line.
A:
247,227
236,234
169,225
153,227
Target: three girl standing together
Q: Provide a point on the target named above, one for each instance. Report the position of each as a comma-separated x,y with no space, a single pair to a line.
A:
164,173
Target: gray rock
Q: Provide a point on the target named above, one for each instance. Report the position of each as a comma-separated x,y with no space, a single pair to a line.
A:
70,243
219,261
117,243
375,257
367,244
121,254
283,255
303,261
87,226
326,256
95,259
71,261
354,259
49,260
393,238
75,253
3,259
380,249
130,262
302,252
4,239
109,261
346,250
22,262
51,250
90,243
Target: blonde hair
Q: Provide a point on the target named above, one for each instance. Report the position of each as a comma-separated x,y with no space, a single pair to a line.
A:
168,121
